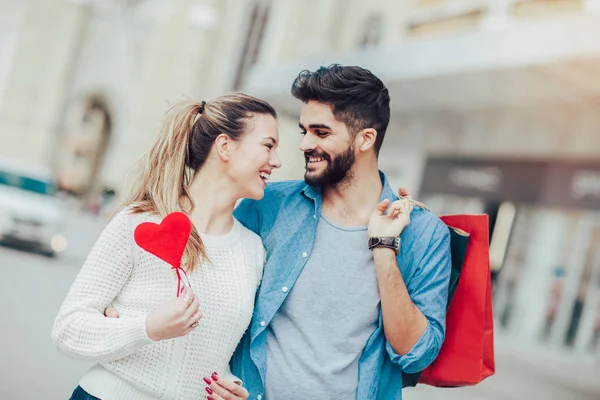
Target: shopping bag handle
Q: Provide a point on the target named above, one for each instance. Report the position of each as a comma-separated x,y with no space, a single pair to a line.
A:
416,203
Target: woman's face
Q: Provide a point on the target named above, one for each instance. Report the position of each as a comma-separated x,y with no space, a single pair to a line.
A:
255,156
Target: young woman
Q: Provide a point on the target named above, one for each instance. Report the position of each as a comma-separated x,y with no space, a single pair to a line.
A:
164,346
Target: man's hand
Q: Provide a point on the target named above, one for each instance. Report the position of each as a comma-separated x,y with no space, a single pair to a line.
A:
111,312
404,193
395,220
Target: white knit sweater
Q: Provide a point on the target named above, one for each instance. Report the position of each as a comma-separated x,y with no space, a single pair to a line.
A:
131,366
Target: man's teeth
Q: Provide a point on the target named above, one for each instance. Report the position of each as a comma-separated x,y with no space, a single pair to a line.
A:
314,159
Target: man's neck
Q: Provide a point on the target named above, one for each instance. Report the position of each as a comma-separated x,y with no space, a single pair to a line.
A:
351,203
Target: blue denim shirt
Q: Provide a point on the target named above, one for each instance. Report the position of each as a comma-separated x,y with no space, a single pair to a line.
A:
286,220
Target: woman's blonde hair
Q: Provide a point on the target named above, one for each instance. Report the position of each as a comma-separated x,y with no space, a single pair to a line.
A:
162,177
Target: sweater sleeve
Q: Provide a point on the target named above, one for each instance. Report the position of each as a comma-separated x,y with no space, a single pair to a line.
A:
81,330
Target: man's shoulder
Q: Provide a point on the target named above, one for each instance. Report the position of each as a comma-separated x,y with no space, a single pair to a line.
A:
282,192
277,195
284,188
425,223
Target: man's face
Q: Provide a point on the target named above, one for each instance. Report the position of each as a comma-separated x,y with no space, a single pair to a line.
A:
327,145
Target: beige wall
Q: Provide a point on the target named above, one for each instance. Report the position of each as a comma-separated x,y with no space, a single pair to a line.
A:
299,30
34,92
141,59
138,58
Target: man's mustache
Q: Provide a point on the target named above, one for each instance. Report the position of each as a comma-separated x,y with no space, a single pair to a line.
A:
316,154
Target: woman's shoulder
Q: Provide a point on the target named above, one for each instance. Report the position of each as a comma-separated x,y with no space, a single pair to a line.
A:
135,214
248,236
253,245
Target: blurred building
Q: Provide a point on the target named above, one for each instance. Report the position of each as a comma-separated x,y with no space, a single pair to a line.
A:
494,109
84,84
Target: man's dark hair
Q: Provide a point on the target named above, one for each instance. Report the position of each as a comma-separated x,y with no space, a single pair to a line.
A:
357,97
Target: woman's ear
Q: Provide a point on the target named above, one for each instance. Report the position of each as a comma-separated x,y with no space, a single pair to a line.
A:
223,145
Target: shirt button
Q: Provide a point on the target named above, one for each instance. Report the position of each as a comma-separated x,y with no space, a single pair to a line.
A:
314,217
259,397
305,254
262,323
284,289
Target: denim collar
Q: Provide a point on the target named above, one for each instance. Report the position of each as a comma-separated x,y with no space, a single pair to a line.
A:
314,192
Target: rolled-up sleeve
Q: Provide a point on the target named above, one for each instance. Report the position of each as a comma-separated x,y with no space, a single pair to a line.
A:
428,289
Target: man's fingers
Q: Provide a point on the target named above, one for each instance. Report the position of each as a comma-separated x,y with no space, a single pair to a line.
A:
111,312
403,192
410,207
399,207
381,207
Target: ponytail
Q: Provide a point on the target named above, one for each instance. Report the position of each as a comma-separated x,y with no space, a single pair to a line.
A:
163,176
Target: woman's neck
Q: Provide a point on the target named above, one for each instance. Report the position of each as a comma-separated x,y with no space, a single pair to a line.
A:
214,202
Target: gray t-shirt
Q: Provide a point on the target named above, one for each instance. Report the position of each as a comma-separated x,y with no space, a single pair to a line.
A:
316,338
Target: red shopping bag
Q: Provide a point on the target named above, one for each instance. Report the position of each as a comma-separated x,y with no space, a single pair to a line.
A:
467,354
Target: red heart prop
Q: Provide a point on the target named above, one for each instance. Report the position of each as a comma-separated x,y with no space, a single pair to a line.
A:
166,241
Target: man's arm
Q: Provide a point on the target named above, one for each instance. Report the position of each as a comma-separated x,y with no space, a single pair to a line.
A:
403,322
414,316
247,213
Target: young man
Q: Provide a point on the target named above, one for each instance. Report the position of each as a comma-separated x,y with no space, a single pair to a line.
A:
343,307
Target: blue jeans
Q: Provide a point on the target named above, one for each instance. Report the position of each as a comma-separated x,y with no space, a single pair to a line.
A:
80,394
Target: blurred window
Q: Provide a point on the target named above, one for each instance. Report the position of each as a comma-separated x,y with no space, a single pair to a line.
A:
371,34
537,8
253,41
427,3
447,24
26,183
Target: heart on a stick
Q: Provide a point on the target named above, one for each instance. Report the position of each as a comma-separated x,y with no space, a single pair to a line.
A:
166,240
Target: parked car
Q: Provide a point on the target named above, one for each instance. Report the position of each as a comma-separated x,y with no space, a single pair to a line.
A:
31,214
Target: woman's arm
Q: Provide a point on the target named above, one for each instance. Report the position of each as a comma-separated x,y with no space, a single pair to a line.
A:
81,330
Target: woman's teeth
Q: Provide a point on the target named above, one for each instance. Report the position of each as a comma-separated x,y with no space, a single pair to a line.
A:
264,175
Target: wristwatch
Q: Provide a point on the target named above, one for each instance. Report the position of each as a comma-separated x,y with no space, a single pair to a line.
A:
388,242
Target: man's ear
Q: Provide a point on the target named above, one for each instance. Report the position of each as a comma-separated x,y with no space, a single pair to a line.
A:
367,138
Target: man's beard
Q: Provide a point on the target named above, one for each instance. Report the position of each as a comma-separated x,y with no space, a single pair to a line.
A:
336,172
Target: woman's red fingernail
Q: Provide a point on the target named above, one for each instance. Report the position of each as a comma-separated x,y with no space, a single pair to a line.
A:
208,382
215,376
208,390
210,398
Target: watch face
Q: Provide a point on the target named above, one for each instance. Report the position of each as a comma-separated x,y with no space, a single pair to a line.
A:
389,242
374,241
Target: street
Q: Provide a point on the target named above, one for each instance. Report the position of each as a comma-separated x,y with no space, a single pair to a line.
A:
32,289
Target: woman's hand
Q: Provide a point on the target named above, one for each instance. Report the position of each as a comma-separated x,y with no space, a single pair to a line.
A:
174,318
223,389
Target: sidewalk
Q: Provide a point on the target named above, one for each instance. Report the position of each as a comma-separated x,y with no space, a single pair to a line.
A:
526,373
82,231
